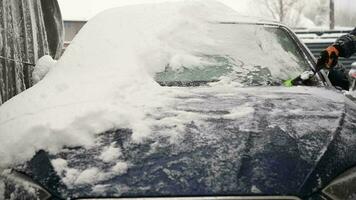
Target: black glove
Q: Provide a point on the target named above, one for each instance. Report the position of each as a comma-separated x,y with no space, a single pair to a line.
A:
328,58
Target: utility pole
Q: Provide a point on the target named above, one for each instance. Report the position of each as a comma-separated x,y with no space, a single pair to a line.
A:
332,15
281,11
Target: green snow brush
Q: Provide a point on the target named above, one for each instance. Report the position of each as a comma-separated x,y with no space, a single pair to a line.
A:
307,75
300,79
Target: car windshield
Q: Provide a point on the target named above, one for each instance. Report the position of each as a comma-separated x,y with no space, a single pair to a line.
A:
246,54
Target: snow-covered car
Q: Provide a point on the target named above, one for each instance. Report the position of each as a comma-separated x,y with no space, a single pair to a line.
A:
182,100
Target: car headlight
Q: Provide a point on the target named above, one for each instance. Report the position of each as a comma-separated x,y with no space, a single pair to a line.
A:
343,187
19,186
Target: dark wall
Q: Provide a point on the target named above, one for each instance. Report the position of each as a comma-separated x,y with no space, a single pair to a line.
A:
54,27
29,29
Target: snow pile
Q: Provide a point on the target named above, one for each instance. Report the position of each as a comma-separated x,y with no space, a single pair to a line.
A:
104,80
110,153
91,176
42,67
120,168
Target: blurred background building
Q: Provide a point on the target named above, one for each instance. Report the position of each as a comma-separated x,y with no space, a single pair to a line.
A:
71,27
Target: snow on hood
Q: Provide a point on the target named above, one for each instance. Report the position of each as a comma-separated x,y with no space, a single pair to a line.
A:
42,67
270,131
104,79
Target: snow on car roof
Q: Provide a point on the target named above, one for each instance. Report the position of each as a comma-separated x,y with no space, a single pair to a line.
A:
99,82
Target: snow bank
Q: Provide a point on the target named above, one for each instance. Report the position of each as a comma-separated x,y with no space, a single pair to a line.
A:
104,79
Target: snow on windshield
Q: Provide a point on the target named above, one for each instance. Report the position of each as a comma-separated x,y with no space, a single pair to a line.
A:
239,51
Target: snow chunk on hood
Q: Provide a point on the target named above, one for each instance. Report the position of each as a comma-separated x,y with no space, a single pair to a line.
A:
104,79
110,154
42,67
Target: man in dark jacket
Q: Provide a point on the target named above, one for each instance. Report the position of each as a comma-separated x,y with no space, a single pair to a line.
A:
344,46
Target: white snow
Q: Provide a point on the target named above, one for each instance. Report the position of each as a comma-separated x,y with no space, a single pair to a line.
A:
105,81
69,175
60,165
120,168
307,75
110,154
100,189
242,111
73,176
43,66
88,176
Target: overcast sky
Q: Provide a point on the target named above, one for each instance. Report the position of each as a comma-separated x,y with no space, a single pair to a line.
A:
85,9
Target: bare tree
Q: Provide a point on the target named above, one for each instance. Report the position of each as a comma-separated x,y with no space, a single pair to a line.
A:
332,15
318,11
285,11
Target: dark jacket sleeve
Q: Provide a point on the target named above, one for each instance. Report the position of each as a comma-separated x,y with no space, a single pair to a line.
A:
346,44
338,76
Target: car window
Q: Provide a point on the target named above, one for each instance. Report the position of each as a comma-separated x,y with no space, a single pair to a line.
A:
248,54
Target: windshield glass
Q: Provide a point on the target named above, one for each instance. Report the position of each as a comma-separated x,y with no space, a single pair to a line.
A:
246,54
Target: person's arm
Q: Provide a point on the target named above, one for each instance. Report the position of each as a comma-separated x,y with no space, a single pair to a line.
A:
346,44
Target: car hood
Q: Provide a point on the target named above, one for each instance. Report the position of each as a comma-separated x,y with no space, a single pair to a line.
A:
265,141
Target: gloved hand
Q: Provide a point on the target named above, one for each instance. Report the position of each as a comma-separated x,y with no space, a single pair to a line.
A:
328,58
352,73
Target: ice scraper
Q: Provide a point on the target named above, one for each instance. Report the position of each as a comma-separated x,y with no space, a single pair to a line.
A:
324,62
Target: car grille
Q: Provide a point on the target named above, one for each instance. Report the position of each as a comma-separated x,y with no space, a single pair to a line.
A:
210,198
